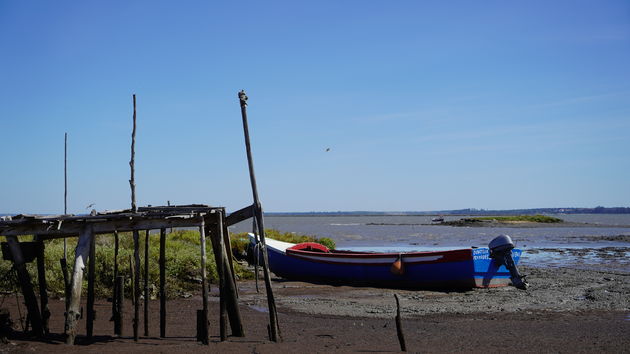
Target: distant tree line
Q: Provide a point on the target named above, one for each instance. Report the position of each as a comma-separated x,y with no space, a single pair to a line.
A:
469,211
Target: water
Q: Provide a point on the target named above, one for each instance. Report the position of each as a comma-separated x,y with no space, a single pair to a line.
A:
592,246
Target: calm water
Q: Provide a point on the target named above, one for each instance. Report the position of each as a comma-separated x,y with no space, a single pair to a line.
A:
581,247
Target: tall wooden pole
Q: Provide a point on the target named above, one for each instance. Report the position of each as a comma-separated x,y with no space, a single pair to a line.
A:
65,190
136,236
132,180
273,315
64,260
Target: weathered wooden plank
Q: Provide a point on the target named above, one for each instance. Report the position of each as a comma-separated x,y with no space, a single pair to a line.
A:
240,215
81,255
49,231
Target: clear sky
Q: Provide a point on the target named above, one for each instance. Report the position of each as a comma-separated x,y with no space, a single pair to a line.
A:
424,105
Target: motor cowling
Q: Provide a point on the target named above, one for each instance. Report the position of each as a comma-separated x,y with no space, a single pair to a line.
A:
501,251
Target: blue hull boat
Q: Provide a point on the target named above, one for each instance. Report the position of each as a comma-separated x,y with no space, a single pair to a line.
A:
459,268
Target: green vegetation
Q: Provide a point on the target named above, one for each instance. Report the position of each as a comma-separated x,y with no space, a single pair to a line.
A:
522,218
182,261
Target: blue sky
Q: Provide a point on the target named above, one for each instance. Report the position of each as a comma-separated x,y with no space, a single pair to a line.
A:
425,105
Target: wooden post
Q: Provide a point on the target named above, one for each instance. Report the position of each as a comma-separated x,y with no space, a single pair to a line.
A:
120,300
81,255
136,284
66,284
132,273
132,181
27,286
115,314
136,236
230,289
204,281
146,284
399,330
41,279
273,315
89,323
219,250
227,243
162,283
64,264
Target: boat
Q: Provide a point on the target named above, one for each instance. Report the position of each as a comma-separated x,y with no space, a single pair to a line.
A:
438,219
481,267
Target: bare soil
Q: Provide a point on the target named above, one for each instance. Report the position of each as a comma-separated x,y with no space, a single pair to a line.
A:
564,310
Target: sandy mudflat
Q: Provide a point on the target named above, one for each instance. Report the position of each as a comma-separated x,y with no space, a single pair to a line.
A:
565,310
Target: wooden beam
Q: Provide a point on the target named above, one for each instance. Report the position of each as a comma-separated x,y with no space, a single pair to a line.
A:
240,215
27,287
75,227
74,311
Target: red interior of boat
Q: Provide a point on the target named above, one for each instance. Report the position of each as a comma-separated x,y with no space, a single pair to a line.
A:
311,247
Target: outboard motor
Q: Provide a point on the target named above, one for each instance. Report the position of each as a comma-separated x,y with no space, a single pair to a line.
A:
501,251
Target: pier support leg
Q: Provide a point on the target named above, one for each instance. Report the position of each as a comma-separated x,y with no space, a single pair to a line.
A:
120,300
89,323
43,293
204,284
26,285
229,297
162,283
80,258
136,284
146,284
115,290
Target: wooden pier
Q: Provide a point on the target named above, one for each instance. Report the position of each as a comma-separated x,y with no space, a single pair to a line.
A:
212,222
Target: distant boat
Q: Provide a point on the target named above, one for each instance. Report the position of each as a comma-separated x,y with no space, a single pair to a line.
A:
459,268
438,219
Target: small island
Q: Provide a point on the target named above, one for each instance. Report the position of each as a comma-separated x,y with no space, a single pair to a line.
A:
504,220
